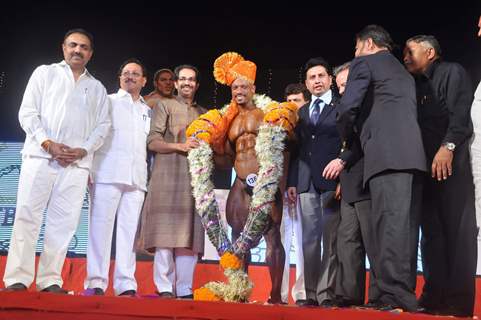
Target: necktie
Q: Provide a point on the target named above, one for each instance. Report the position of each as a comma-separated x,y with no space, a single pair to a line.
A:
316,111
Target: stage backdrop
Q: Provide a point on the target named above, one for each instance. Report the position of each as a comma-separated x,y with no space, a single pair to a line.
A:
10,165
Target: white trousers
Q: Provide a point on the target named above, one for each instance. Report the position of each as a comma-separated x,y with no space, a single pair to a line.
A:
291,229
174,270
44,183
108,201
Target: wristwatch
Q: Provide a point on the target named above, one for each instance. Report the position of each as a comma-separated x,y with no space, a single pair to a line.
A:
449,145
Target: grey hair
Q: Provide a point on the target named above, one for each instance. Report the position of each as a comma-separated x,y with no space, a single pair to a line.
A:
428,41
341,68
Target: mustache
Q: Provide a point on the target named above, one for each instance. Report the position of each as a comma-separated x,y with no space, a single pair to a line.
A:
130,80
77,55
186,85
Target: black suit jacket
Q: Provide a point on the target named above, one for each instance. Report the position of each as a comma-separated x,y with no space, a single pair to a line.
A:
380,104
351,177
444,96
316,145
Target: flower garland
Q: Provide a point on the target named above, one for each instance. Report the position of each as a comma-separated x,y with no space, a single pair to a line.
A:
279,119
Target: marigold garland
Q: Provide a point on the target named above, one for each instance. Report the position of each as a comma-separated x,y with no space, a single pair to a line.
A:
230,261
205,294
279,120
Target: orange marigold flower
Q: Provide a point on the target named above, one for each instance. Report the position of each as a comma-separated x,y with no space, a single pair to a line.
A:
284,114
204,294
230,261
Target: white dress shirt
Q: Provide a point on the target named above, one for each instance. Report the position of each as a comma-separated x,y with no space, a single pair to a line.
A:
123,157
326,99
57,107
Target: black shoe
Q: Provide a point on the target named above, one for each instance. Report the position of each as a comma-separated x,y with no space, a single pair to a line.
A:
389,308
371,305
270,301
128,293
328,303
166,295
307,303
187,296
55,288
98,292
346,303
16,287
300,302
451,310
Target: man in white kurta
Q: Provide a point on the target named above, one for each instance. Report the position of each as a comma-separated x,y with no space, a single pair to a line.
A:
65,115
119,177
291,226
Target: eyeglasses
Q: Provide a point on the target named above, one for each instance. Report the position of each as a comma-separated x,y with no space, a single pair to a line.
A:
133,74
187,79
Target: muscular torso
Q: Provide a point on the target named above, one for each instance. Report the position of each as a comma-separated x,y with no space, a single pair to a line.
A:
242,134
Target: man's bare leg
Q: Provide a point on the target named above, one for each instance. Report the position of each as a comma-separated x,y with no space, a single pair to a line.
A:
275,255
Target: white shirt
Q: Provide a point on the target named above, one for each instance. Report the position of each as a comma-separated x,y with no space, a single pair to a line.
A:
123,157
56,107
326,99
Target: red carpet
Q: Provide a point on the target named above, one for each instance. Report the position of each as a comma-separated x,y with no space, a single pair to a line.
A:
33,305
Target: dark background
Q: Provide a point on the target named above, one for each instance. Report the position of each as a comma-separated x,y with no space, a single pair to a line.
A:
278,38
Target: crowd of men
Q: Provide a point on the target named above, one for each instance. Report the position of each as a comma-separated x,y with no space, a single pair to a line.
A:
381,150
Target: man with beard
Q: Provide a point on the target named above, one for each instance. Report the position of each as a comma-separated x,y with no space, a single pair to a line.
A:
448,221
119,176
163,87
65,114
169,226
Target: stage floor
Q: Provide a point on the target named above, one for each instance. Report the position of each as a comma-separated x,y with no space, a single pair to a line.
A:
34,305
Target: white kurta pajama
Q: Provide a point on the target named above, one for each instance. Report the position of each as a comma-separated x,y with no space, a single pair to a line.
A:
119,176
54,107
291,228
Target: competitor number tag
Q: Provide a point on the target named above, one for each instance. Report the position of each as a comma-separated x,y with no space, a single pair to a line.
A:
251,179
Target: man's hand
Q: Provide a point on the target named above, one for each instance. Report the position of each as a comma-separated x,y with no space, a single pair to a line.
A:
337,195
442,164
333,169
292,194
70,155
189,144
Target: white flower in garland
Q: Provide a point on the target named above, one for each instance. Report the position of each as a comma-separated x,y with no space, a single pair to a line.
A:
269,147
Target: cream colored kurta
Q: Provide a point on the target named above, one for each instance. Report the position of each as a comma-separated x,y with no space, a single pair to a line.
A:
168,218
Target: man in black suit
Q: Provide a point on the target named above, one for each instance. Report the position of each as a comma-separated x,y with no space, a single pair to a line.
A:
353,236
380,104
448,220
318,143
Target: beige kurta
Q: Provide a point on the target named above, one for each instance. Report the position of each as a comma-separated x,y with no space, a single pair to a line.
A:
168,217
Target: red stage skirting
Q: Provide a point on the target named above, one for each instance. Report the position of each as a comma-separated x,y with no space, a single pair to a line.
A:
33,305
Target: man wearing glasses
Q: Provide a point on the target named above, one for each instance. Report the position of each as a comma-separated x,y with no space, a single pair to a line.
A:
119,175
169,226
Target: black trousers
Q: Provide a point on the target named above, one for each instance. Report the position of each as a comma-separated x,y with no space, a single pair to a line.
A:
352,243
448,244
394,224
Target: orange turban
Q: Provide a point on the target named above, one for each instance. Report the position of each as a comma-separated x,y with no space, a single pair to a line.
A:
231,66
